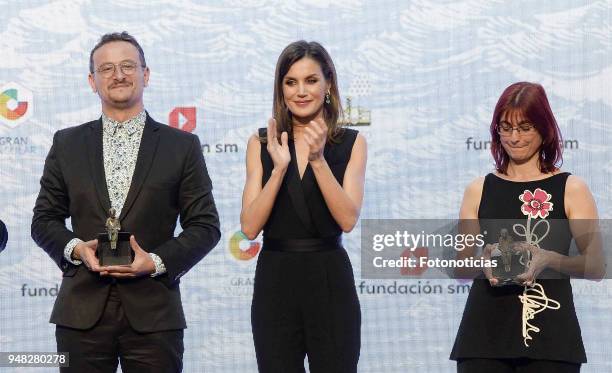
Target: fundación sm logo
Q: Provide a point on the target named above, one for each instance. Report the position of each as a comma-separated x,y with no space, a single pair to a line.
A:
15,104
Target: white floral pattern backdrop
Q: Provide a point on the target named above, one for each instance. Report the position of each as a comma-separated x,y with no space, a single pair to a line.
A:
422,76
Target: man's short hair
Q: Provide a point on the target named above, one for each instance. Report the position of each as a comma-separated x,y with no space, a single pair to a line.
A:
116,36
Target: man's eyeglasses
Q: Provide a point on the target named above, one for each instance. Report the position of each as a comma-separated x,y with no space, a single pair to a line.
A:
108,69
506,129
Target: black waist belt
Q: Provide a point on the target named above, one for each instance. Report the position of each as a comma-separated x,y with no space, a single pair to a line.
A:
302,245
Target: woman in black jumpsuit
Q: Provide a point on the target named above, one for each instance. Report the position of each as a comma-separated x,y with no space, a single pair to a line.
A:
304,187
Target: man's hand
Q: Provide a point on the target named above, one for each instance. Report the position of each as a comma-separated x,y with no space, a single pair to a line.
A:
86,252
141,266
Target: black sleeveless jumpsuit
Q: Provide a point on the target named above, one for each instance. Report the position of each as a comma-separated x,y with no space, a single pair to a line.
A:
491,327
304,298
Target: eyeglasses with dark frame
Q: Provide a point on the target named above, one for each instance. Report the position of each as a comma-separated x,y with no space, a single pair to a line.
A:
108,69
505,129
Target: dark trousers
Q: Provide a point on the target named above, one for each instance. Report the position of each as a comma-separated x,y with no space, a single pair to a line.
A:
112,339
305,304
515,366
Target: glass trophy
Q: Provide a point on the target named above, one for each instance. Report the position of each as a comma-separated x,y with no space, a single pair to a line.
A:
113,245
512,259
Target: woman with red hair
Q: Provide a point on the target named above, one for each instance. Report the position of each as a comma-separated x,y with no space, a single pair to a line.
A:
529,324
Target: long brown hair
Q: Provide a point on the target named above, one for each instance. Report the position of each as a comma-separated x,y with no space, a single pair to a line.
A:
332,112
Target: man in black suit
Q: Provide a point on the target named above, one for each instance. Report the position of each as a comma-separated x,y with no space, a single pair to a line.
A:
150,174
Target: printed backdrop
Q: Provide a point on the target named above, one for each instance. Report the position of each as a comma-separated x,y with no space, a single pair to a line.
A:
422,77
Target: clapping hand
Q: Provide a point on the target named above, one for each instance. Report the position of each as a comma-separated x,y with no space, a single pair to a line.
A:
279,152
315,136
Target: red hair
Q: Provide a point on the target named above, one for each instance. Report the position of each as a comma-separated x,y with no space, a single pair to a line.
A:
531,101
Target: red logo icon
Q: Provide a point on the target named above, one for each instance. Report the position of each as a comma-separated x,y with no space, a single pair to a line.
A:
183,118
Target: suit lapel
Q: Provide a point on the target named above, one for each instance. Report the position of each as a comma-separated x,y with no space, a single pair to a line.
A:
96,164
146,153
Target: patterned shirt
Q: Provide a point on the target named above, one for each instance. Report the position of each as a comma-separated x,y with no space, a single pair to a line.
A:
120,145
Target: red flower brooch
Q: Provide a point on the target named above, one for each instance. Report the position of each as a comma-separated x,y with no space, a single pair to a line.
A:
536,204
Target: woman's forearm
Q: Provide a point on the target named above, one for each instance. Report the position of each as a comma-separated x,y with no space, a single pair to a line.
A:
255,215
344,210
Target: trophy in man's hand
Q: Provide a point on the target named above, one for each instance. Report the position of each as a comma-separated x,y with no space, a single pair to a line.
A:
113,226
512,259
114,245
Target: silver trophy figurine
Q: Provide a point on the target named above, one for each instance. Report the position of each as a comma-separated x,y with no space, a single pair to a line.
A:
113,226
114,245
505,247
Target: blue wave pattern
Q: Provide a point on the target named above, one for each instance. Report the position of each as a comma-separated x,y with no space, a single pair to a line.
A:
429,71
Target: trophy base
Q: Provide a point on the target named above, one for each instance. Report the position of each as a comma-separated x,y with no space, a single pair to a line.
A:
506,275
122,255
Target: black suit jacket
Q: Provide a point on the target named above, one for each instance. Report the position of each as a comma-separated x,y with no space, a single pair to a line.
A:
170,179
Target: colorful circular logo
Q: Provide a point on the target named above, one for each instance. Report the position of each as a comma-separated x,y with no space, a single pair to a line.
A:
242,248
15,104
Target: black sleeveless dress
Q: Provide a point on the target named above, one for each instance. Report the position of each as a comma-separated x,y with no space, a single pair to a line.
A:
304,298
491,326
